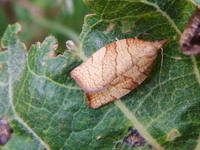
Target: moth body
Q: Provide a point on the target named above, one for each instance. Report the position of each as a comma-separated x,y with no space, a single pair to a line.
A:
116,69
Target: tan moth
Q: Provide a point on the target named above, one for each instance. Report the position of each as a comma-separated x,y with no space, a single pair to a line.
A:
116,69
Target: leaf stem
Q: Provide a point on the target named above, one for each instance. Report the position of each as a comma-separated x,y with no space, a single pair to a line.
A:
196,71
198,145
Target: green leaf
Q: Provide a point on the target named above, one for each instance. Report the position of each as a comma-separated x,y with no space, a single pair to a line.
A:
195,2
12,62
168,101
43,103
47,109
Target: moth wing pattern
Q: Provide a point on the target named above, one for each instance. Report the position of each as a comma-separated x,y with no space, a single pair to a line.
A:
116,69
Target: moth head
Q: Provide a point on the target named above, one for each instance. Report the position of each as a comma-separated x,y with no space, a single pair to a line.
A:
159,44
152,48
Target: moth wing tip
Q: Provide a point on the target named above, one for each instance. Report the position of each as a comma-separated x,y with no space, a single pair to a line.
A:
159,44
162,42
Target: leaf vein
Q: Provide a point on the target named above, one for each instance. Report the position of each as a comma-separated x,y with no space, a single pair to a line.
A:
138,125
52,81
17,117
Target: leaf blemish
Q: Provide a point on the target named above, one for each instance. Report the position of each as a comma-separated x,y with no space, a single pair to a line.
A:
1,66
5,131
110,27
52,53
134,138
173,134
190,39
70,45
178,58
98,137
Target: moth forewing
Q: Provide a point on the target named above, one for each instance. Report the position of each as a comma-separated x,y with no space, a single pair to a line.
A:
116,69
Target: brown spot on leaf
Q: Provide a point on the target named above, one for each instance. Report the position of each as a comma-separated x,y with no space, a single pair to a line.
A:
134,138
174,133
52,53
1,66
178,58
98,137
190,39
70,45
110,27
5,131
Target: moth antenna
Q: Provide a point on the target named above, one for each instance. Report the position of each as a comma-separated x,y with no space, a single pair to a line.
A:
160,43
162,58
161,66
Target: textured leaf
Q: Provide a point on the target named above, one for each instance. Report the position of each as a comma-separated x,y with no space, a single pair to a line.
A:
169,100
45,102
46,108
196,2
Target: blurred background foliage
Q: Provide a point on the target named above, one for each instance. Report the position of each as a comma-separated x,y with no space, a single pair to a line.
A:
40,18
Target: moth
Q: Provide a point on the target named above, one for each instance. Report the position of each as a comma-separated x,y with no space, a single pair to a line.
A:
116,69
190,39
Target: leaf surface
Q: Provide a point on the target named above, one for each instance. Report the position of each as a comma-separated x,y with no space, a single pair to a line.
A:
168,100
44,105
47,109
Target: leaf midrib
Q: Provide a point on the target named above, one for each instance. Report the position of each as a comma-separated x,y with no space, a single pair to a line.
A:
16,115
